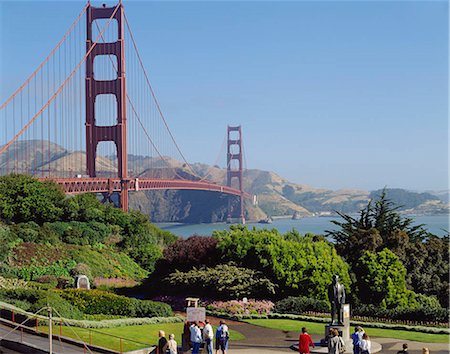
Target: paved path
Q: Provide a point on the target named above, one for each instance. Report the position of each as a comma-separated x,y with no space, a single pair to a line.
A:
39,342
267,341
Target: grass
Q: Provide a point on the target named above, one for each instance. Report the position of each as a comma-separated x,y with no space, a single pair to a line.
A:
318,328
144,335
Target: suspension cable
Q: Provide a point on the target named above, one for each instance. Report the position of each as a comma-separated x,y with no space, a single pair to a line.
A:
139,119
155,99
4,147
46,59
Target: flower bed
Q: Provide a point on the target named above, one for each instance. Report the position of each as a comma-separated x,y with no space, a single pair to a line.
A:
235,307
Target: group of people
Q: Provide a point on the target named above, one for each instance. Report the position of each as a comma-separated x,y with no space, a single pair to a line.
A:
336,345
166,346
194,335
361,341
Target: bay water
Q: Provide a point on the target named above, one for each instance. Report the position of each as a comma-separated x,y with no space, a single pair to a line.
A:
436,224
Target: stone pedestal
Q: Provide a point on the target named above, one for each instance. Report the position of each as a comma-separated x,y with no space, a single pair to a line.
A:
343,329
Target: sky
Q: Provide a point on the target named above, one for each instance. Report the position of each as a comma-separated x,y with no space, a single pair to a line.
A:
350,94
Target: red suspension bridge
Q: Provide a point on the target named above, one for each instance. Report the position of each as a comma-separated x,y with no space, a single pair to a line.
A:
81,122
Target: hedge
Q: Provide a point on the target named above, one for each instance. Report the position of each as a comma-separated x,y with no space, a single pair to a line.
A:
424,313
121,322
101,302
301,304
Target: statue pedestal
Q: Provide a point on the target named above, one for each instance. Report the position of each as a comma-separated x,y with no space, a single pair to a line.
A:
344,332
343,329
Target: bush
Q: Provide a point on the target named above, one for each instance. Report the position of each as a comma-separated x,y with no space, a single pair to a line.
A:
48,279
300,305
223,281
81,269
101,302
193,251
35,299
33,272
7,242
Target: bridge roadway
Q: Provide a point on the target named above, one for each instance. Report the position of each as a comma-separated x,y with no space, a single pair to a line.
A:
110,185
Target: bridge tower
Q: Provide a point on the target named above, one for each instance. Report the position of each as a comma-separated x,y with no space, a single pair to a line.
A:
116,133
234,153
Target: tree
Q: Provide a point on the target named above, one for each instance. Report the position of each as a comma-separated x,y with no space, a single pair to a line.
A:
379,226
300,267
381,279
24,198
379,217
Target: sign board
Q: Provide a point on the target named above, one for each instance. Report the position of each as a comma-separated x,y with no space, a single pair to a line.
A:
194,314
346,311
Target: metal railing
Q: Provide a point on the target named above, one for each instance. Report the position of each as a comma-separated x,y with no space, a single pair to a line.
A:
20,325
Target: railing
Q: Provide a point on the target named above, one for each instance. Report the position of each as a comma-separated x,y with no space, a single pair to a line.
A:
24,324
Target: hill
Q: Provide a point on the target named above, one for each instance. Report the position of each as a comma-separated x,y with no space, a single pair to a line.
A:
276,196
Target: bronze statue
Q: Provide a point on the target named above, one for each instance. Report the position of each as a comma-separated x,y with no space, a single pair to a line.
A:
336,295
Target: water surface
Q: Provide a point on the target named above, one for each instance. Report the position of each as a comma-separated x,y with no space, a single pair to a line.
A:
436,224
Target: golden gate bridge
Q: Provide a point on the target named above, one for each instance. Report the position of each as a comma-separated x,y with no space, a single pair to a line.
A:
89,107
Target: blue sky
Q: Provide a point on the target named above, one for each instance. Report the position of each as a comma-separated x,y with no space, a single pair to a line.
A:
330,94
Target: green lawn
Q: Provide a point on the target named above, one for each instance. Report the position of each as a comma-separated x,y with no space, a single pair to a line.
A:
145,335
318,328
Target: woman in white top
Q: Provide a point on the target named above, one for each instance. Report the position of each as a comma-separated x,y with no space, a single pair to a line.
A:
365,344
171,344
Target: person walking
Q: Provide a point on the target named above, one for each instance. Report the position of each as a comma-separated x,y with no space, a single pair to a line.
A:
162,342
365,344
336,344
172,344
222,337
304,341
196,338
208,336
356,339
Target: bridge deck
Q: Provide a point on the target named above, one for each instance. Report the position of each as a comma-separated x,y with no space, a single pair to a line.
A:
103,185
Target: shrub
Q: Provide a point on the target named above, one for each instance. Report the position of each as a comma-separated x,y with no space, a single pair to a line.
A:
48,279
223,281
61,307
32,272
193,251
102,302
81,269
35,299
300,305
7,242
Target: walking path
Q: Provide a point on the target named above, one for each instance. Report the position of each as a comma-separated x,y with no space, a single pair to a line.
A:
40,342
268,341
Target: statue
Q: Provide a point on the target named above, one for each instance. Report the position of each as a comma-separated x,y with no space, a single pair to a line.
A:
336,295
